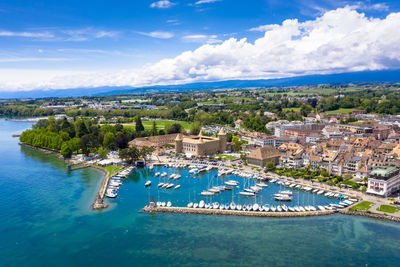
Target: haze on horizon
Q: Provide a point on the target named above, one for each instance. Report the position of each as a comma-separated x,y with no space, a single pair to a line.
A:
71,44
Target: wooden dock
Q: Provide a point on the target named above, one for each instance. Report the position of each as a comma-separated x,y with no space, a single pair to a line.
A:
183,210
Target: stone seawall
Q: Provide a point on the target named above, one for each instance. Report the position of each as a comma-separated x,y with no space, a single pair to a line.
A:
99,201
382,217
183,210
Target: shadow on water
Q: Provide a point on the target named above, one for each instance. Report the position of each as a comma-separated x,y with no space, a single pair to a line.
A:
43,157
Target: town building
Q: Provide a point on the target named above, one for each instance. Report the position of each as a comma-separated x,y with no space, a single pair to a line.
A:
262,155
384,181
154,141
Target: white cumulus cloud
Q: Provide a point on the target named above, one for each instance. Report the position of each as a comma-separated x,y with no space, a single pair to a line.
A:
162,4
340,40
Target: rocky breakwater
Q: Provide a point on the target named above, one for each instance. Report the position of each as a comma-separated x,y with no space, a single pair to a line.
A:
384,217
183,210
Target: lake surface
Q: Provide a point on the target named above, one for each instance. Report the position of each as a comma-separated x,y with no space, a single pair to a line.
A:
192,185
46,220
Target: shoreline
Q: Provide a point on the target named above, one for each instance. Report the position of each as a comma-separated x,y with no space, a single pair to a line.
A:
98,203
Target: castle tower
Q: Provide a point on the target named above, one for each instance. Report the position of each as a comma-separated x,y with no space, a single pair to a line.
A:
222,140
179,144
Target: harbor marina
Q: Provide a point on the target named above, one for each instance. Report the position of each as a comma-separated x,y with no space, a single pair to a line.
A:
228,189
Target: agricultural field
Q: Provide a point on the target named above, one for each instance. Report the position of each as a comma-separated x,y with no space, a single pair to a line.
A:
160,124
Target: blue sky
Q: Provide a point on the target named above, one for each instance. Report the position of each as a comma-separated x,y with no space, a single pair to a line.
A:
96,43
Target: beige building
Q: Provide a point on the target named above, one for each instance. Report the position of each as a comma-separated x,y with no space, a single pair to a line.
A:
262,155
201,145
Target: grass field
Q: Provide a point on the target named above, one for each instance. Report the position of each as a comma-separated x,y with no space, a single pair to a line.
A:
365,205
112,169
341,110
387,208
148,125
227,157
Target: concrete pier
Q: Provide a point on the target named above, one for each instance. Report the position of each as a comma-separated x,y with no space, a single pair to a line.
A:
183,210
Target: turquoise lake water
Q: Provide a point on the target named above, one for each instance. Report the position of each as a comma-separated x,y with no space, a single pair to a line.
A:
46,220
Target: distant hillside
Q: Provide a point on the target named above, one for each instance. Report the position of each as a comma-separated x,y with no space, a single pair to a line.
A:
359,77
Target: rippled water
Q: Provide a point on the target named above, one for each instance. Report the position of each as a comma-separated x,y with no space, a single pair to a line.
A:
46,221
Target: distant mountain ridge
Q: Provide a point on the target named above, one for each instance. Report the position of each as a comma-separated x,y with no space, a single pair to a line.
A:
356,77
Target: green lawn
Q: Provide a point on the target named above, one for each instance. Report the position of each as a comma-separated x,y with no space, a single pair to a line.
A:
341,110
227,157
365,205
148,125
387,208
112,169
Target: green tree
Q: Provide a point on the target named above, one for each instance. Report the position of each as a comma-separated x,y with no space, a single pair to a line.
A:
121,141
237,145
102,152
154,129
139,125
108,140
195,128
270,165
66,151
174,128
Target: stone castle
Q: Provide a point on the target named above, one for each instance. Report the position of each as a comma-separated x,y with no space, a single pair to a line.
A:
201,145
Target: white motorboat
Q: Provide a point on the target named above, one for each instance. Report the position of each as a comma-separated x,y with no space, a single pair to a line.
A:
160,184
247,194
216,205
157,174
169,204
207,193
172,176
291,209
148,183
177,186
312,208
301,208
266,207
273,209
232,206
307,208
177,177
262,184
231,183
286,192
201,204
195,205
239,207
162,204
297,209
163,174
207,205
255,206
279,208
321,207
169,186
190,205
111,194
320,192
285,208
282,197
